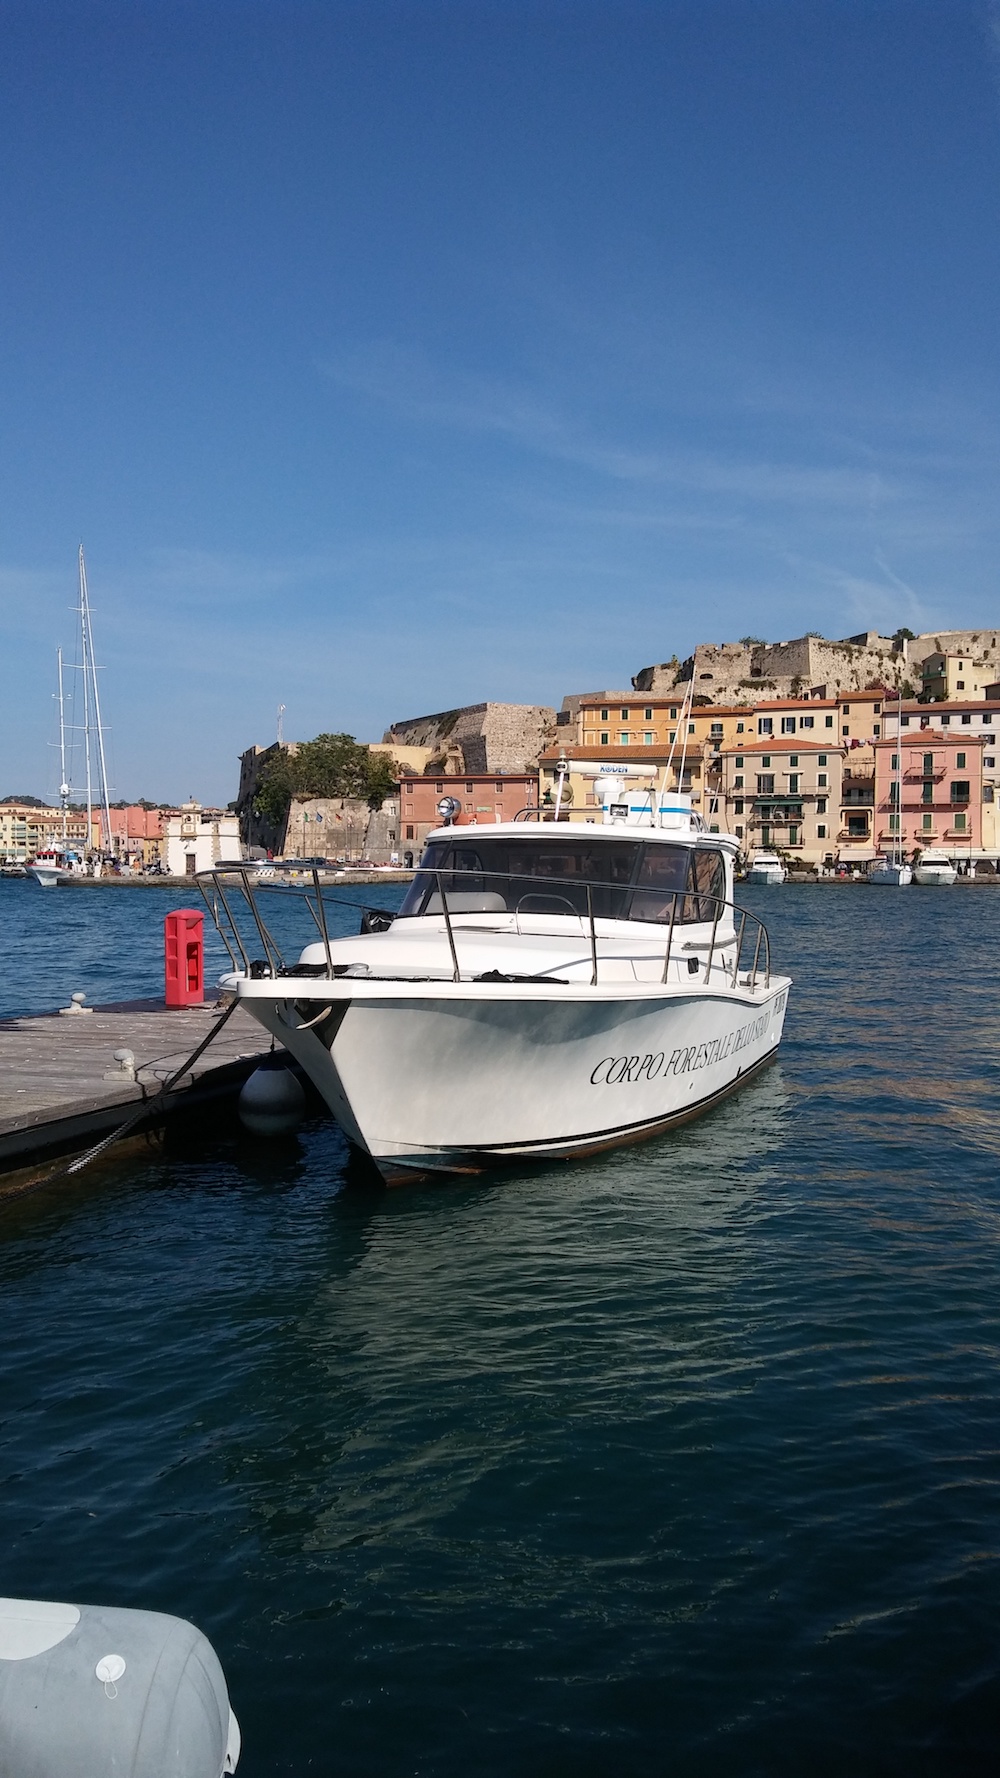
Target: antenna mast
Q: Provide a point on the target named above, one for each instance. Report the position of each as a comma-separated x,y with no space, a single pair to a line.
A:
63,786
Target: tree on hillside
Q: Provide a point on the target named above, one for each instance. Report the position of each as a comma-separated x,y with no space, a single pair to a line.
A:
329,766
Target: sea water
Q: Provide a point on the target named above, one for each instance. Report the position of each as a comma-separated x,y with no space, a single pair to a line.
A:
681,1461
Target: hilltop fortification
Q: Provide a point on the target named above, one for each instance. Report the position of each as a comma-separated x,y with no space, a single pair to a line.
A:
739,672
480,737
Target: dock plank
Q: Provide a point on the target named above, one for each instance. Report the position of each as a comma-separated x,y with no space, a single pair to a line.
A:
53,1085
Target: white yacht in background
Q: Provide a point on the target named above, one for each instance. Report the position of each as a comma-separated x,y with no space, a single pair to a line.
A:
766,867
547,989
934,866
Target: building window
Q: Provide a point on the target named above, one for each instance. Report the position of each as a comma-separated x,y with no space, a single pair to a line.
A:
673,736
624,738
945,720
877,730
829,722
439,787
845,730
793,783
960,761
738,762
788,725
648,738
927,823
648,713
604,739
498,788
738,806
821,805
928,765
673,712
967,720
793,759
876,708
846,709
893,823
793,836
927,793
821,831
604,716
739,833
960,791
690,728
765,725
469,788
960,684
765,783
857,827
765,835
716,728
739,725
960,823
409,833
765,760
990,761
624,715
906,722
821,780
738,781
987,715
807,721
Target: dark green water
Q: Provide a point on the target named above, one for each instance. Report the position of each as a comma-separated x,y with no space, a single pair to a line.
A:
684,1461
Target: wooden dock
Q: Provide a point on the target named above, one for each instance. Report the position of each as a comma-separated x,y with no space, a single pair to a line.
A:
61,1086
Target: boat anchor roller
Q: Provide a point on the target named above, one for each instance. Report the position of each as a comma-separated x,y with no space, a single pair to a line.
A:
94,1690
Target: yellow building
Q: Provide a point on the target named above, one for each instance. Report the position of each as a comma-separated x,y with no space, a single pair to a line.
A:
783,794
955,678
25,830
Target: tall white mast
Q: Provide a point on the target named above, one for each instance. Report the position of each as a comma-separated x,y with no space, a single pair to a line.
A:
90,679
63,786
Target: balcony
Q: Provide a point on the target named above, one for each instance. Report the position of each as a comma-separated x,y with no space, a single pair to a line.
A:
913,776
859,774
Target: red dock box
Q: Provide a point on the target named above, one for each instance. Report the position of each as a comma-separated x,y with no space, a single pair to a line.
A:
184,947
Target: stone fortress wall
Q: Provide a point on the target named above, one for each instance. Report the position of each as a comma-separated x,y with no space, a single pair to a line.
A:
480,737
739,672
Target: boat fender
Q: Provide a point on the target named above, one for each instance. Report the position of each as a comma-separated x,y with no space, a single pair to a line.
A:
96,1689
271,1101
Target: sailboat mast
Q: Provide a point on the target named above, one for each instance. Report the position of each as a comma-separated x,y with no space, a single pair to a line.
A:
63,786
85,669
101,762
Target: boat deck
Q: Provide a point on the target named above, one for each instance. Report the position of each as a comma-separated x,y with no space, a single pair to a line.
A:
60,1085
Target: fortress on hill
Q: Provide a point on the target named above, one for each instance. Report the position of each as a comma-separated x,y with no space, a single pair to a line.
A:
740,672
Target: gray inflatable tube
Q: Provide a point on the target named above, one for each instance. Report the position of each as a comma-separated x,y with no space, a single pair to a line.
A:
88,1691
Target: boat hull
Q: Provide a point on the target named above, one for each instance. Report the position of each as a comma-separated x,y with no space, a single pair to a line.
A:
458,1081
892,876
47,876
935,875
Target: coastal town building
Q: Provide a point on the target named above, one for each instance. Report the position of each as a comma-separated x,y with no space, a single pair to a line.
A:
26,828
200,839
940,791
784,793
483,797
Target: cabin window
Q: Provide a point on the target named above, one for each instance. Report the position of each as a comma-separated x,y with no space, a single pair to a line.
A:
540,877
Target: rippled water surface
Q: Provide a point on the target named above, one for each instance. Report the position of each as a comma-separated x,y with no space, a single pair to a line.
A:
681,1461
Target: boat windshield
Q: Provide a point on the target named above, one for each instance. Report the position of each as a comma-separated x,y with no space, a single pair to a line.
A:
629,880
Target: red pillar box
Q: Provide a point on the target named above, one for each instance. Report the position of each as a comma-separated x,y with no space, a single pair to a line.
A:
184,947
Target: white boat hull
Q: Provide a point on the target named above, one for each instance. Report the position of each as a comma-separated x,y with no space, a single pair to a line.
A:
445,1077
894,876
48,875
935,874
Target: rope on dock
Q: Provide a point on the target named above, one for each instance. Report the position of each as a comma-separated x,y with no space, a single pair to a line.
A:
148,1105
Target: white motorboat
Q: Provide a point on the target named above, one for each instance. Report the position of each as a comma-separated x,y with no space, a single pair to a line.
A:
766,867
55,866
890,871
545,990
934,866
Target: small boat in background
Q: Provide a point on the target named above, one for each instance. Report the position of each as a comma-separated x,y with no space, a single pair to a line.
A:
890,871
934,866
55,866
766,867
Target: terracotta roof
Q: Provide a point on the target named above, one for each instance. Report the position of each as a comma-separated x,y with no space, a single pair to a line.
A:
785,744
912,708
615,755
939,736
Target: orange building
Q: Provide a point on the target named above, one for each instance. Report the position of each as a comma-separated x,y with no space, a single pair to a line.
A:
484,797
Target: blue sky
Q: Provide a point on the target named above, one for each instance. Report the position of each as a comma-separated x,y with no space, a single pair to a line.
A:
392,356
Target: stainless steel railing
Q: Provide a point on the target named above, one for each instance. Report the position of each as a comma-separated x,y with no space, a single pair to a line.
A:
218,888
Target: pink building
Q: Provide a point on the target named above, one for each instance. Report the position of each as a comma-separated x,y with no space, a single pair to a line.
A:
940,778
136,833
